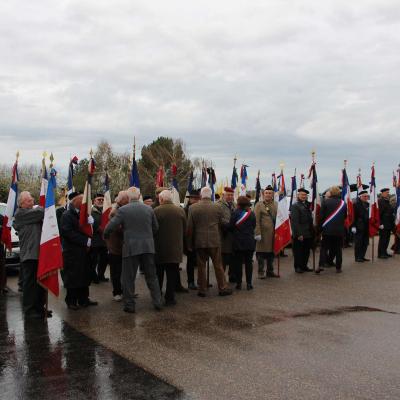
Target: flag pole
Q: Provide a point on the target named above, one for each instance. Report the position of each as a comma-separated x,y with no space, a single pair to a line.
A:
315,228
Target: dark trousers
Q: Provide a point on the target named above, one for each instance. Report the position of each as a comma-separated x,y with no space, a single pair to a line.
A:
171,270
34,296
301,252
77,296
115,273
269,257
243,257
384,239
191,263
227,260
361,242
331,245
98,262
3,275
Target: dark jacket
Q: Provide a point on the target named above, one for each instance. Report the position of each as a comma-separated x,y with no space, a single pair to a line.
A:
336,226
97,240
76,273
169,238
28,224
386,213
361,216
243,233
301,220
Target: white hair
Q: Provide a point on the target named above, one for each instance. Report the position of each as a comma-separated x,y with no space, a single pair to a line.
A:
22,196
205,193
165,195
133,193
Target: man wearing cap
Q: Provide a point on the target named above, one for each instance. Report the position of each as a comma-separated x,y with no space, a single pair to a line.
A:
228,207
265,212
360,226
204,223
302,231
139,225
76,247
98,250
191,261
386,214
148,200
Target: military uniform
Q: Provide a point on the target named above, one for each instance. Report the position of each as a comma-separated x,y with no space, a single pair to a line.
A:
361,224
386,213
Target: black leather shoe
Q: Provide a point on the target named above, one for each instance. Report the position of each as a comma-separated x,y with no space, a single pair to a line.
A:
238,286
129,310
103,279
272,275
388,255
249,286
298,271
338,270
225,292
157,307
366,259
383,257
181,290
306,269
318,270
169,303
361,260
192,286
73,307
201,294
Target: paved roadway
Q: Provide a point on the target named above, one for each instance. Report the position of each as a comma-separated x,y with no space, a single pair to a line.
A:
333,336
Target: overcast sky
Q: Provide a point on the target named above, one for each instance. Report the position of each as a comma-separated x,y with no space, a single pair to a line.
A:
266,80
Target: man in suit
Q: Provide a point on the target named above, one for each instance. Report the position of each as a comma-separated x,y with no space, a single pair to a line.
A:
302,231
360,227
204,223
169,241
139,225
386,213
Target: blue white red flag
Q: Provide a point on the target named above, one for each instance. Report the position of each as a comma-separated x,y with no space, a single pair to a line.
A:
43,184
293,193
10,209
275,187
243,179
347,199
86,207
50,252
374,218
189,188
134,175
235,178
283,234
175,190
107,204
160,176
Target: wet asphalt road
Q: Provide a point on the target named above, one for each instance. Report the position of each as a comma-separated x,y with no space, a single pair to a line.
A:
333,336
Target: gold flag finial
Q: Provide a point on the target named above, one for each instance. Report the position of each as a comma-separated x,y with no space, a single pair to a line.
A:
51,159
234,160
282,165
91,153
345,164
313,153
44,154
17,155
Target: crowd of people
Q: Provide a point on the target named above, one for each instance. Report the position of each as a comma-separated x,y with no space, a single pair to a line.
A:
152,237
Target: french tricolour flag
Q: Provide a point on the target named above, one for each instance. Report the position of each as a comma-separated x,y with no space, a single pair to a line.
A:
107,204
374,218
347,199
86,207
283,232
43,185
10,209
50,253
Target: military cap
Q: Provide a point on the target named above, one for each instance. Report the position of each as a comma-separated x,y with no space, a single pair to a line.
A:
302,190
73,195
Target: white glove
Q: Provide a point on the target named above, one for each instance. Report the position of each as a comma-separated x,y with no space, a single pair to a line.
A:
257,237
89,242
90,220
354,230
381,227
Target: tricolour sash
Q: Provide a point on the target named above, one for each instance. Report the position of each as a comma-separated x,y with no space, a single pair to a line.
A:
335,213
244,216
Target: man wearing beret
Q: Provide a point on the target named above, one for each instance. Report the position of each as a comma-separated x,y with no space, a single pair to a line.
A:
360,227
302,231
386,214
228,207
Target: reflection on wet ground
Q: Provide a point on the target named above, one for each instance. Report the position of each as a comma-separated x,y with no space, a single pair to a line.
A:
51,360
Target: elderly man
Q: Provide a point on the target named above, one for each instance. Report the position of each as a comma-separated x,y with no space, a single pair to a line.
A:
302,231
139,225
265,212
169,241
386,214
28,223
333,214
204,223
3,274
228,207
360,227
76,247
98,249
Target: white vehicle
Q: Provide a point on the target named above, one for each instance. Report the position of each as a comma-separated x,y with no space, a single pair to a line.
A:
12,257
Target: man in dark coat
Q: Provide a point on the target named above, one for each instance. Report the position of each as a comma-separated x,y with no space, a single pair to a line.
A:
98,249
360,227
28,223
76,247
191,258
204,223
139,225
333,214
386,213
302,231
3,275
169,241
